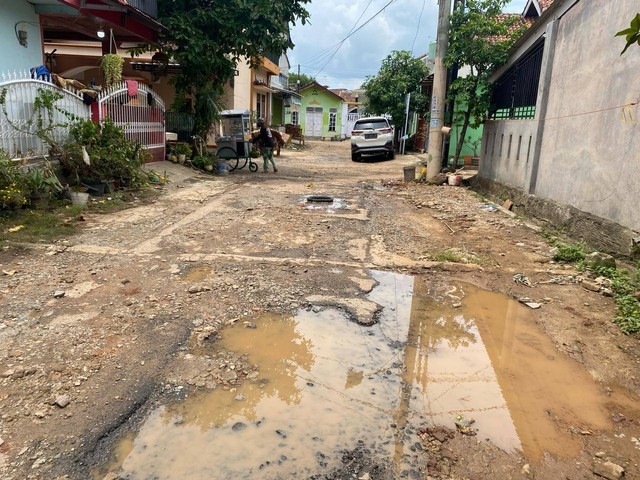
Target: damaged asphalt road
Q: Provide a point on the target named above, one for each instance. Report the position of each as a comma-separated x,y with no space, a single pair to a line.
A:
308,340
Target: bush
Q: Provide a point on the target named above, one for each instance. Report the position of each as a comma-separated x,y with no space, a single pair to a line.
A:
12,184
570,252
107,155
624,287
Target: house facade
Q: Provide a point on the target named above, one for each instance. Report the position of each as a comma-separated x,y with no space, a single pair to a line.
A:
562,133
19,19
68,37
321,112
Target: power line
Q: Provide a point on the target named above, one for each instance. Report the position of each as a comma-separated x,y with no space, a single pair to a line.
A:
353,33
325,52
418,27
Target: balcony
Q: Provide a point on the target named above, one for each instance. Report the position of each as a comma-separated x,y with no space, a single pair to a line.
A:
150,7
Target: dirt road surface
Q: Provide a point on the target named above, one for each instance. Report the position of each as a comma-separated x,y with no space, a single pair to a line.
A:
231,329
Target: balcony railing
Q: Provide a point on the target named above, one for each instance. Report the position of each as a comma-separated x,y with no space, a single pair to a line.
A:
150,7
281,82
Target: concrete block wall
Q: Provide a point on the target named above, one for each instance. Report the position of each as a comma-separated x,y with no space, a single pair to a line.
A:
587,153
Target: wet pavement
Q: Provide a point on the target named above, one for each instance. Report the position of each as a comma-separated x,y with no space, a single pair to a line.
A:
326,383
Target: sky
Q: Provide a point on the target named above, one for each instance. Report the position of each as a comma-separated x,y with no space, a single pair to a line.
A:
403,25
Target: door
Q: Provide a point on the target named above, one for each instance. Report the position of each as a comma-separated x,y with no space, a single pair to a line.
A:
313,125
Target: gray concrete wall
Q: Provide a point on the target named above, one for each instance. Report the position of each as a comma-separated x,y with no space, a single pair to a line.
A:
588,154
507,151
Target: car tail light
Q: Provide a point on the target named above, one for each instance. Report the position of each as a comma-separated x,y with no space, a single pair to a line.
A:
356,132
385,130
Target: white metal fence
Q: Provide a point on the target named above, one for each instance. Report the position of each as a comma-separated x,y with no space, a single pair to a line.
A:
139,111
20,90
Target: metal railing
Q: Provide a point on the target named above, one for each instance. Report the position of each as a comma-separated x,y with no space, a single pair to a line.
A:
140,114
18,114
150,7
515,93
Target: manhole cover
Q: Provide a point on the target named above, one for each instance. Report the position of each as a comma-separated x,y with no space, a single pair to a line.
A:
320,199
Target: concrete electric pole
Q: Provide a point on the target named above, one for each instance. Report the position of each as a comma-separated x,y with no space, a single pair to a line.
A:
439,91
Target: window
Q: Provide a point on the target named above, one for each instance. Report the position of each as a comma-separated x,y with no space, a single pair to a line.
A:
333,115
261,106
515,93
294,118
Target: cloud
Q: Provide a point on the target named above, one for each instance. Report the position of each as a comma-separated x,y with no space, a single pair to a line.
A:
399,27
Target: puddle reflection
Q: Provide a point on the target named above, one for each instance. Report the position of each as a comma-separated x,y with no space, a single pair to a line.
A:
326,383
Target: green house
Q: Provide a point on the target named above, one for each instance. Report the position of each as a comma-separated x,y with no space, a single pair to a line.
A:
320,112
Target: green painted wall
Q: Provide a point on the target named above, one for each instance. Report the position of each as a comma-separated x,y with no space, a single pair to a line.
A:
319,98
472,135
276,111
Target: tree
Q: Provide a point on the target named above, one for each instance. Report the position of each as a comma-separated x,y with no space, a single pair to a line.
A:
631,34
208,38
304,79
399,74
480,37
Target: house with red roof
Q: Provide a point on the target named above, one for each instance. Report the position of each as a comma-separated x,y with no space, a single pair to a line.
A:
562,139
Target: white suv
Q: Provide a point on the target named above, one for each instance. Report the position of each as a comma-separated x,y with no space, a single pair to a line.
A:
372,135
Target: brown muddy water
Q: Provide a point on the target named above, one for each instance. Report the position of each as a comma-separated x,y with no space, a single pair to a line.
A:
327,383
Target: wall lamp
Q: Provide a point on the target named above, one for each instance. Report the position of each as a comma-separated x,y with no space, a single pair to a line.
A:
21,33
100,33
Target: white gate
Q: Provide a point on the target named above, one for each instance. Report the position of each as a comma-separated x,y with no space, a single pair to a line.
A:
20,91
352,118
139,111
313,122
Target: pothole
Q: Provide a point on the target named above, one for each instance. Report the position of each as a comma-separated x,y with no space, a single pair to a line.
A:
323,202
326,385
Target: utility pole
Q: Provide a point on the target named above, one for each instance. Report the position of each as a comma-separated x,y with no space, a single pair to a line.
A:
439,91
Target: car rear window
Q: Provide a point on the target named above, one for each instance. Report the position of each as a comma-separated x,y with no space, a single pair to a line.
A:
371,125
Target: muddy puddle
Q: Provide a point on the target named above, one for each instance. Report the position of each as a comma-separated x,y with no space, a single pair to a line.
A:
197,274
326,383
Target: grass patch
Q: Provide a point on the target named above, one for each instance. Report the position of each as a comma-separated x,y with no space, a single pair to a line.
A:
570,252
455,255
35,226
61,219
625,286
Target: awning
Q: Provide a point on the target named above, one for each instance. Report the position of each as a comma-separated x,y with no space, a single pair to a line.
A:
258,87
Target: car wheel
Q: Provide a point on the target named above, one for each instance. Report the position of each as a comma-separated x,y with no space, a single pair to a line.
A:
391,155
356,157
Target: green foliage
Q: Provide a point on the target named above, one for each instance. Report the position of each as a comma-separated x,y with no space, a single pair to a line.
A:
183,149
399,75
111,65
12,184
42,180
480,37
304,80
37,225
202,161
625,288
631,34
43,122
111,157
208,38
570,252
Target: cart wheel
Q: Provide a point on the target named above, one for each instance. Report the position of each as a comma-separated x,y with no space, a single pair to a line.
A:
253,167
229,154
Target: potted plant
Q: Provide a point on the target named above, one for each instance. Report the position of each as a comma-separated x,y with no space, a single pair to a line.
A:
42,183
183,151
112,67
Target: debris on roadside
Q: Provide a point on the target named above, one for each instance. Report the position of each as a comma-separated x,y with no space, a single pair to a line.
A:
464,426
522,279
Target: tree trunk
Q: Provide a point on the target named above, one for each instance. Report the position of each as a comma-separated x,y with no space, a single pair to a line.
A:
463,134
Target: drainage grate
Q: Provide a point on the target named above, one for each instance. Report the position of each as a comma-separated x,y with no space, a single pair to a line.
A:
320,199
